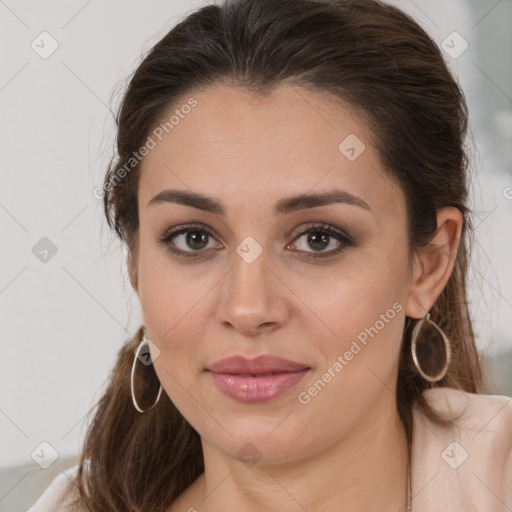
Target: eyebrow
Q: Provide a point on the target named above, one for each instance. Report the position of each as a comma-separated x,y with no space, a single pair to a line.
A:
282,207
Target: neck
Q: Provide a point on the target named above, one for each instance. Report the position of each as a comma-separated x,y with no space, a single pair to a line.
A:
366,470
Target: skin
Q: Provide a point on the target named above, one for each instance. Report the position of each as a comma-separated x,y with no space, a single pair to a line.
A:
346,449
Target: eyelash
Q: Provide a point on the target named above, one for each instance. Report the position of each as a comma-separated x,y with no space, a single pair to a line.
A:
310,228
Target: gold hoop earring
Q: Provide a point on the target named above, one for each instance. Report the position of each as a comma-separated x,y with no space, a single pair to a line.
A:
426,354
144,380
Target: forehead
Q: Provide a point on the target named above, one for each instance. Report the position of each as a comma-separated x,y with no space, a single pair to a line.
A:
243,147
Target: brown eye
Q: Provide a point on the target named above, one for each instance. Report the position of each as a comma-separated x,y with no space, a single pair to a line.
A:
322,239
318,240
196,239
188,241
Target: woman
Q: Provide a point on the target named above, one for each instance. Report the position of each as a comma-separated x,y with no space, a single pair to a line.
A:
291,188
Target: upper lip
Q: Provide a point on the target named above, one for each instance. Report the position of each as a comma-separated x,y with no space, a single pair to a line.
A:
256,366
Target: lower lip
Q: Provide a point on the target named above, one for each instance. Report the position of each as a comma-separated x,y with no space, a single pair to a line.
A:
257,389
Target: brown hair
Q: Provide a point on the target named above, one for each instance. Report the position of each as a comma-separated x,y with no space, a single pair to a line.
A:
367,54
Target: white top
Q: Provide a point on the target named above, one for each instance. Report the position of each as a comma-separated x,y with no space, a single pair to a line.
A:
49,501
466,468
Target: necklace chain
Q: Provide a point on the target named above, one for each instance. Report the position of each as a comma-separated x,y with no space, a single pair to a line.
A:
409,504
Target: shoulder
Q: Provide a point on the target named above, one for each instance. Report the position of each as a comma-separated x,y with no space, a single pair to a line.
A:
478,417
450,400
468,464
52,500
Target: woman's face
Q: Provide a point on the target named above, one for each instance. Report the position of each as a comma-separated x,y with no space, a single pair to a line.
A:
252,281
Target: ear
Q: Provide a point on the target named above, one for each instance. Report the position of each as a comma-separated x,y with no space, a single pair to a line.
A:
434,263
133,271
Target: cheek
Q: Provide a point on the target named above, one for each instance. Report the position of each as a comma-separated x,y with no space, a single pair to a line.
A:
360,361
364,292
368,325
172,310
364,311
168,294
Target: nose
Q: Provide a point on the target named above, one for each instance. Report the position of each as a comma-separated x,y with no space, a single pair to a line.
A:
253,299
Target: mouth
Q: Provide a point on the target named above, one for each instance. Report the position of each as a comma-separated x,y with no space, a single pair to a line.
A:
255,374
262,365
256,380
250,388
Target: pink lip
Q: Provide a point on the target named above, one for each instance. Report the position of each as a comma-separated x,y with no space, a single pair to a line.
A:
258,365
256,380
